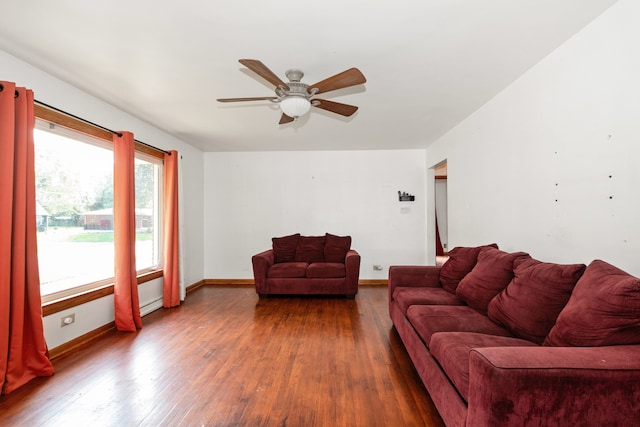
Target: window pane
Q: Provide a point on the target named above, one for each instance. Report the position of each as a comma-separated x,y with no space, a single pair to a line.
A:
147,173
74,194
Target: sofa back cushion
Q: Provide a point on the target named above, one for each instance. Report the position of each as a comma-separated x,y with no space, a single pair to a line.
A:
284,248
531,303
461,261
604,309
336,248
310,249
491,274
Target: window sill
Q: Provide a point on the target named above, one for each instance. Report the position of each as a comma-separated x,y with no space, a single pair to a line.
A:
61,304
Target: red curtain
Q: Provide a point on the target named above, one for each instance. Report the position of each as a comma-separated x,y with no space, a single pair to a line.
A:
125,293
171,281
23,350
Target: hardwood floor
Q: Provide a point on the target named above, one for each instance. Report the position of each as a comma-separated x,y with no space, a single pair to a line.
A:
227,358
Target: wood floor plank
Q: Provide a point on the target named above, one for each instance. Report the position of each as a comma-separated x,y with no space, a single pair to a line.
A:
228,358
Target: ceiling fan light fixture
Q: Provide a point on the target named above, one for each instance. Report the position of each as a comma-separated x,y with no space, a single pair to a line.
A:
295,106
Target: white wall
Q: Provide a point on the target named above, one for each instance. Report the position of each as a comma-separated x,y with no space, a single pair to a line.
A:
252,197
551,165
57,93
94,314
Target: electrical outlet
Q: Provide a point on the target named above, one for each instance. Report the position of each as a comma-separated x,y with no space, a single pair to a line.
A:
377,267
67,320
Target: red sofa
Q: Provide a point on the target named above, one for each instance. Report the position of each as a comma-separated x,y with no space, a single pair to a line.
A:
502,339
307,265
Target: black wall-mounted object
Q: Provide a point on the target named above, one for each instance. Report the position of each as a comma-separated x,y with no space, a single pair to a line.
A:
406,197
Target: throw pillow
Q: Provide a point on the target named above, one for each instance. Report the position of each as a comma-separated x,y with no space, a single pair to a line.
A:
530,304
491,274
604,309
284,248
461,261
310,249
336,248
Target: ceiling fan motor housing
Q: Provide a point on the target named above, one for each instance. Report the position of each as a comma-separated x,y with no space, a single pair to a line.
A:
295,89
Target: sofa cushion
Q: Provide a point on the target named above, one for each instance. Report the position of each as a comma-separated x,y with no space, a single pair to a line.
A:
604,309
491,274
326,270
430,319
310,249
451,350
336,247
461,261
530,304
408,296
284,248
288,269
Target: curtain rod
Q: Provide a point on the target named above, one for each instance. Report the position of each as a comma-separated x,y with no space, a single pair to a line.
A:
96,125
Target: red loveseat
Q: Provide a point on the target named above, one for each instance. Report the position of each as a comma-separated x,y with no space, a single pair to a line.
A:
307,265
502,339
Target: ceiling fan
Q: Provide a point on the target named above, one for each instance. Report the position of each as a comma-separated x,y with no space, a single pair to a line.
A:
296,98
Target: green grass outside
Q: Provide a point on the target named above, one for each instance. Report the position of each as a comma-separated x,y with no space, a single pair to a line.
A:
98,237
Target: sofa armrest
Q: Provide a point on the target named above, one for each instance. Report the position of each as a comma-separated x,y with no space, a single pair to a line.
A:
261,264
414,275
352,267
554,386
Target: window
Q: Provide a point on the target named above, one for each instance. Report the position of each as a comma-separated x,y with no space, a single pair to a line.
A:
148,173
74,204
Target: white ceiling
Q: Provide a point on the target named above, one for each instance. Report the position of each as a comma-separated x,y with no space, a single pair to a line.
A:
428,63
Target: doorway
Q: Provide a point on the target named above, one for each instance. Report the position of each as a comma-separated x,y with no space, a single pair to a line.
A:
441,214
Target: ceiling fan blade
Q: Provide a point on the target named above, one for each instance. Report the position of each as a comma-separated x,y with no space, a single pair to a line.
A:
259,98
285,119
335,107
260,69
350,77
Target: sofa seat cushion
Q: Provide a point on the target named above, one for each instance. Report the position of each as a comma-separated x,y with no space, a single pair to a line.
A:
324,270
461,261
531,303
604,309
430,319
288,270
408,296
491,274
451,350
